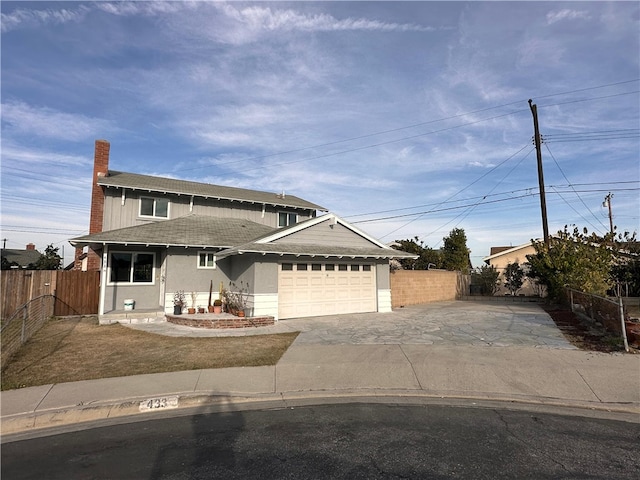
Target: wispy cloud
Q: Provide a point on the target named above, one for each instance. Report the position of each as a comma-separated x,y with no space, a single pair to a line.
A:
236,25
31,157
266,18
21,18
566,14
152,8
23,119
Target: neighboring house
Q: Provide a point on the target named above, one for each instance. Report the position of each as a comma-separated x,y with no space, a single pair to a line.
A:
500,257
15,258
152,236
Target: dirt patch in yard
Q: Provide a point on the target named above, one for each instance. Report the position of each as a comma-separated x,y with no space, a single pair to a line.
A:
67,350
584,334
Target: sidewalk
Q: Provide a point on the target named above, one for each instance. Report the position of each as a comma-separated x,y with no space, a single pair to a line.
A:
316,373
447,351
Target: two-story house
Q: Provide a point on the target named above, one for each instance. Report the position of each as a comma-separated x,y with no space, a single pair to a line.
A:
152,236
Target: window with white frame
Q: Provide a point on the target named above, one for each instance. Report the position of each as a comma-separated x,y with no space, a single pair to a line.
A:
286,219
206,260
131,267
154,207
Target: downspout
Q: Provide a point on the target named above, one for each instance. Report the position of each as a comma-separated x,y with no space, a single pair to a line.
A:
103,279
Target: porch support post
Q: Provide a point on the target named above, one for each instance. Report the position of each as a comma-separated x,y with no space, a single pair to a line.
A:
103,278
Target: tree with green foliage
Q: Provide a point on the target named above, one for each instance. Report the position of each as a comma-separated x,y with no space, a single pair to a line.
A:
627,277
49,260
455,254
581,261
514,277
427,257
626,271
7,265
486,277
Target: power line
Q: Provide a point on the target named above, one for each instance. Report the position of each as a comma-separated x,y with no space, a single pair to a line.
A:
465,214
500,200
579,198
389,142
383,132
462,190
590,99
600,132
378,212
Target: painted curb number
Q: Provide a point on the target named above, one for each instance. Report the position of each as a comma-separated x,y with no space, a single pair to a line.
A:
160,403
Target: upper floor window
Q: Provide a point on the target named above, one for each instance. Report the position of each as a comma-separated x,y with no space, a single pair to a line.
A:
285,219
131,267
154,207
206,260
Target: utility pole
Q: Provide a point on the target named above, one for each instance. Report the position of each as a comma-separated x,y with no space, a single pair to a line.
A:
538,142
607,203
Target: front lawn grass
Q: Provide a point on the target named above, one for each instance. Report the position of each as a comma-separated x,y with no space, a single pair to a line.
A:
68,350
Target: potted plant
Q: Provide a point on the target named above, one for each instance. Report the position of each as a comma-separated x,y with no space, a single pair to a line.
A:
229,299
178,302
217,306
192,309
239,299
200,309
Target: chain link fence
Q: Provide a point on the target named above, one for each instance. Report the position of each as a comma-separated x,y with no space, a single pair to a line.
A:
609,313
24,322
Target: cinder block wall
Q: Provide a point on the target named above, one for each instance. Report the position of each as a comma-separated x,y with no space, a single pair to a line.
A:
412,287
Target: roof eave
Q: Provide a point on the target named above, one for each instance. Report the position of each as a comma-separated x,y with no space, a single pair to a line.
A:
242,251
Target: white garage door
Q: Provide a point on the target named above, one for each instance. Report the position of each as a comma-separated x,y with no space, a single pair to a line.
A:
313,289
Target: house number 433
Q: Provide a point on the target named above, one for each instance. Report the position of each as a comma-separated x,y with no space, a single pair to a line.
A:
160,403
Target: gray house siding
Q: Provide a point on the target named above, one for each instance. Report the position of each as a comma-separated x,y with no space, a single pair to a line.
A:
119,214
146,296
326,233
182,272
266,275
382,275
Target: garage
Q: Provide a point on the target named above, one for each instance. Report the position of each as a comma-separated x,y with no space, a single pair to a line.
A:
307,289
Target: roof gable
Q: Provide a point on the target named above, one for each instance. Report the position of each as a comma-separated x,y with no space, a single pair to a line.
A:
150,183
503,251
306,238
290,233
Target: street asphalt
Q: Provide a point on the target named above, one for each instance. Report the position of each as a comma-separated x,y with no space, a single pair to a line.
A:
444,352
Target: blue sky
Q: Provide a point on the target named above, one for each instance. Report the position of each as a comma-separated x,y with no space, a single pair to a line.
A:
409,118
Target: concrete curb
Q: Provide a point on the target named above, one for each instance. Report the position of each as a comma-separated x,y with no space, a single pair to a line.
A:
137,409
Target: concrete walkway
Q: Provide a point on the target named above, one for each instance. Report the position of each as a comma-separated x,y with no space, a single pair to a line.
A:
443,353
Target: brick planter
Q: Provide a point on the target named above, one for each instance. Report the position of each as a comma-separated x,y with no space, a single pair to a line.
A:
220,321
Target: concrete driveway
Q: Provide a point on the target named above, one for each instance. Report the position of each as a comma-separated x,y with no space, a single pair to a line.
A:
445,323
458,323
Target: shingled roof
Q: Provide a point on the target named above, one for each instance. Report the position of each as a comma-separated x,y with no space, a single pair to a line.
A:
188,231
134,181
23,258
235,236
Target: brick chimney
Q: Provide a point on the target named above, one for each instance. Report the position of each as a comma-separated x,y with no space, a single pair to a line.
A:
31,246
100,169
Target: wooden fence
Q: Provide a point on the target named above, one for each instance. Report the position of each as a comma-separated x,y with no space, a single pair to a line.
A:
76,293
